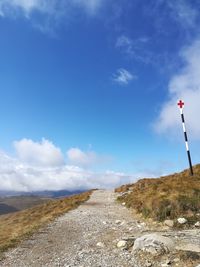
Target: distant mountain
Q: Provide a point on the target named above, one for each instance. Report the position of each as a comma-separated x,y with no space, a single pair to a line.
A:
46,193
11,201
56,194
4,209
17,203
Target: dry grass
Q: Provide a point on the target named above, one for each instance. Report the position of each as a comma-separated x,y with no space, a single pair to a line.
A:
166,197
16,226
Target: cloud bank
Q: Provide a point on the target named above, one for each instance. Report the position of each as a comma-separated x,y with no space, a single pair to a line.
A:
40,166
186,86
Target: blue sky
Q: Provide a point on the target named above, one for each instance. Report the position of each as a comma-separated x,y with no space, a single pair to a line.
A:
88,89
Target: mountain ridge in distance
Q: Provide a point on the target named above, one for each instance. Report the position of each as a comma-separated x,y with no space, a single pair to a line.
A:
11,201
44,193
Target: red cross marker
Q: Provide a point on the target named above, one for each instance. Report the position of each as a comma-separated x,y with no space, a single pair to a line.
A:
180,104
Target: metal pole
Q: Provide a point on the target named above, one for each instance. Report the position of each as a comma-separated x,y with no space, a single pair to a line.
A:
181,105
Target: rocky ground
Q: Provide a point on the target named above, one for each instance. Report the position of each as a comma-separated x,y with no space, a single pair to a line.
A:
104,233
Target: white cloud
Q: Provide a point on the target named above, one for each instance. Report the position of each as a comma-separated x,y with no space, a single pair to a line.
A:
43,153
123,77
40,166
51,13
86,159
78,157
136,48
16,175
90,6
183,12
36,168
26,6
49,7
184,85
125,43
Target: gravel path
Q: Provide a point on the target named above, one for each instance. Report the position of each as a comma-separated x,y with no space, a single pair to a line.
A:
72,239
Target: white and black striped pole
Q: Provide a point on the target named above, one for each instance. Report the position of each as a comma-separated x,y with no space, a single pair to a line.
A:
181,105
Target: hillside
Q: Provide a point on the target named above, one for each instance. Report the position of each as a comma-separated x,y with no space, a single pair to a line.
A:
17,225
17,203
166,197
102,232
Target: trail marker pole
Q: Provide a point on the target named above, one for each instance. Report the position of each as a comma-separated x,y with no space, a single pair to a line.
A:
181,105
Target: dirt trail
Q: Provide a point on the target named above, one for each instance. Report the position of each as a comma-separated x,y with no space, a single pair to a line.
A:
72,239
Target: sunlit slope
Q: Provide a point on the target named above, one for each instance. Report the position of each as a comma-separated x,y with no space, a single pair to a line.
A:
15,226
166,197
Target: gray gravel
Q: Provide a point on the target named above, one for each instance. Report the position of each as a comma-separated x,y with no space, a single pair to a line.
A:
72,239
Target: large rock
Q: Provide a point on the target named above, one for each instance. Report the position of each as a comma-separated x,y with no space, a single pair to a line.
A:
182,220
169,223
153,243
189,247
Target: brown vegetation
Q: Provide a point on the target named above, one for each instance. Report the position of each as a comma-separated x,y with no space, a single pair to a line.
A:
166,197
17,203
14,227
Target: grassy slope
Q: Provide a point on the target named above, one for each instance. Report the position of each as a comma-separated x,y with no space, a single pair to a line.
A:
17,203
166,197
14,227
